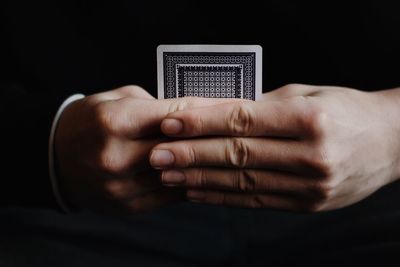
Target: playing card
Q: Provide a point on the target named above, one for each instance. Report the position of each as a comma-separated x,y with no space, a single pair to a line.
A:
216,71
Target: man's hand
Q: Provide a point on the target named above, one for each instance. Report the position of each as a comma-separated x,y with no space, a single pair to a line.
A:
303,148
102,146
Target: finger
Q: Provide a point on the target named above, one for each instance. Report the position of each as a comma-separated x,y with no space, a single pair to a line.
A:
248,200
286,118
240,180
237,152
124,158
133,91
136,118
137,185
154,200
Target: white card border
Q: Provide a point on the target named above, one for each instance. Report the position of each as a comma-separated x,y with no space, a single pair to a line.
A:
209,48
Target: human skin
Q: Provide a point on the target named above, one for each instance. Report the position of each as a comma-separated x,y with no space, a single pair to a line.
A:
300,148
102,145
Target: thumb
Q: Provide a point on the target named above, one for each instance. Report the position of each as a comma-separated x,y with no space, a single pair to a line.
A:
142,117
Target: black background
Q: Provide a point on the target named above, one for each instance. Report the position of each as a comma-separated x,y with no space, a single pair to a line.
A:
54,49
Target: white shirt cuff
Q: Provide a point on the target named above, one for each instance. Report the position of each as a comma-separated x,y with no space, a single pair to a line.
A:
52,171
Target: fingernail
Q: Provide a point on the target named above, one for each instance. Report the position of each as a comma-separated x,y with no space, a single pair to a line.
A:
161,158
171,178
195,195
171,126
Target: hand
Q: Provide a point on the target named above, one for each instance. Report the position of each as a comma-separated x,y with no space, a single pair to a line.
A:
302,148
102,145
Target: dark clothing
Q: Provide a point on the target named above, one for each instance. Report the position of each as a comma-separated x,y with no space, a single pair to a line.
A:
366,234
51,50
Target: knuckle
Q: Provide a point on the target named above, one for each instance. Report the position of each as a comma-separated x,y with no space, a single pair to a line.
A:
321,161
321,190
114,189
245,181
257,201
109,163
240,120
101,113
315,121
106,118
237,152
190,155
312,206
135,91
178,105
131,89
290,88
201,178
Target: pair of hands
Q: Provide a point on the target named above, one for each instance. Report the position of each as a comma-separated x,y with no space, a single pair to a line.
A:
301,148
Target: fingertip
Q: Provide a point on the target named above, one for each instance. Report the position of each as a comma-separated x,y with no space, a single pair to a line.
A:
171,126
161,158
195,195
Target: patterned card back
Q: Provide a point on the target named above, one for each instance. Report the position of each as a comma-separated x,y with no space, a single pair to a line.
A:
216,74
